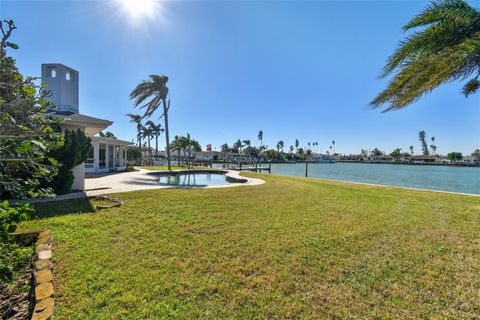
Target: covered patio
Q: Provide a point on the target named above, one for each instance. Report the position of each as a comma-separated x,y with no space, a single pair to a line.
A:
108,155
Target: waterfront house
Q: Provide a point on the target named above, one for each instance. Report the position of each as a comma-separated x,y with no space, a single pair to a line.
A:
108,154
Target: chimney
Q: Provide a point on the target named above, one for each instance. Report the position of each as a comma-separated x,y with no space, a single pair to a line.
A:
62,82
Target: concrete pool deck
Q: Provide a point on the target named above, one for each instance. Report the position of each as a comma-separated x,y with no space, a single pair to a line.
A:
144,180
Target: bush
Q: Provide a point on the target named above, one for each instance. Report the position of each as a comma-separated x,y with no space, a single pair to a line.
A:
12,255
74,151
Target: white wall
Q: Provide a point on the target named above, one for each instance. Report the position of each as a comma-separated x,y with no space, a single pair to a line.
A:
79,177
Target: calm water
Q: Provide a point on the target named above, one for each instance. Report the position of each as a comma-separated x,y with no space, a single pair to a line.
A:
194,179
455,179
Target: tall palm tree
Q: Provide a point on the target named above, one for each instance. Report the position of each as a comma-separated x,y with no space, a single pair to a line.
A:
411,150
195,147
260,137
151,94
147,133
433,146
137,119
422,136
333,144
297,144
156,131
237,146
176,146
446,49
280,145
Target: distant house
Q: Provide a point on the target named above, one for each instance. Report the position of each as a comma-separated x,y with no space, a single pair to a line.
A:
108,154
424,159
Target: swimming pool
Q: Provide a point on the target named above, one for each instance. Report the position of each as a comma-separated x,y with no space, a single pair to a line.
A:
196,178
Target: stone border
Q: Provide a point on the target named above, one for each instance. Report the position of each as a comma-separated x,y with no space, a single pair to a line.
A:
43,293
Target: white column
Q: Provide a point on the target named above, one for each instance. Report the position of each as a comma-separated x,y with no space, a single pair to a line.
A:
114,156
107,157
126,155
96,156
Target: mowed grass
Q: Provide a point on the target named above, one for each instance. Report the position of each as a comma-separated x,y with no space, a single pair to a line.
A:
291,248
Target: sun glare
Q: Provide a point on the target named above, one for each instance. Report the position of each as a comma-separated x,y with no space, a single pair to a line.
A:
140,9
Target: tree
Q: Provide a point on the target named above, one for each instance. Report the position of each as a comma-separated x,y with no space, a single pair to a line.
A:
291,149
237,146
271,154
153,92
134,155
260,137
280,145
107,134
224,148
137,119
476,155
444,50
297,144
396,153
454,156
27,131
156,130
195,145
422,137
147,133
411,150
433,146
177,146
376,152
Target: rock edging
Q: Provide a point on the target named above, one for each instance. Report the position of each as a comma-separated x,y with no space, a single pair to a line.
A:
43,278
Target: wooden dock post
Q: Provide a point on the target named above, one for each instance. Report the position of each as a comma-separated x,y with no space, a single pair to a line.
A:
306,169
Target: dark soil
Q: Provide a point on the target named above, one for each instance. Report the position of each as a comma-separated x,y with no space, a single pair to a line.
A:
16,296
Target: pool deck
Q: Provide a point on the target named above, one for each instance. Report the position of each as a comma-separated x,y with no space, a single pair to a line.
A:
144,180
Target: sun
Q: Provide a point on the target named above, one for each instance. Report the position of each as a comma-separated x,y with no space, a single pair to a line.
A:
140,9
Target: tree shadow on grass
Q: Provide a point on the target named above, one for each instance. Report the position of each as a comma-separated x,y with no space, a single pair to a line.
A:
64,207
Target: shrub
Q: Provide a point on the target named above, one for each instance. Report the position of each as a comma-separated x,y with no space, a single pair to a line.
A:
74,151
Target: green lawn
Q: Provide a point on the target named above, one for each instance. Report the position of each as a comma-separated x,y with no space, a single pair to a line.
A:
291,248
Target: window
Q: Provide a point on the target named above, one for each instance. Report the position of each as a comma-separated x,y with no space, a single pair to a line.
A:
68,75
52,72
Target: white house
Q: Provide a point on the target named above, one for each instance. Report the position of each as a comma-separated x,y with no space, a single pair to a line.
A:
108,154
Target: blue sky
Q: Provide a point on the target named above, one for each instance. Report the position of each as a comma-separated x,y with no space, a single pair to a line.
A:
303,70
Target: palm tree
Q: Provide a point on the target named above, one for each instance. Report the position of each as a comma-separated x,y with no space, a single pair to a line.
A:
224,148
195,147
176,146
260,137
137,119
237,146
280,145
147,133
246,143
444,50
421,136
156,131
411,150
333,144
291,149
433,146
297,144
154,92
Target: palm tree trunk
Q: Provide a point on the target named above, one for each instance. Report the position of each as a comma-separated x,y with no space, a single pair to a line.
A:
167,137
156,145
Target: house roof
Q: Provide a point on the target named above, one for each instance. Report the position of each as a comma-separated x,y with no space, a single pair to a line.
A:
91,125
111,141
